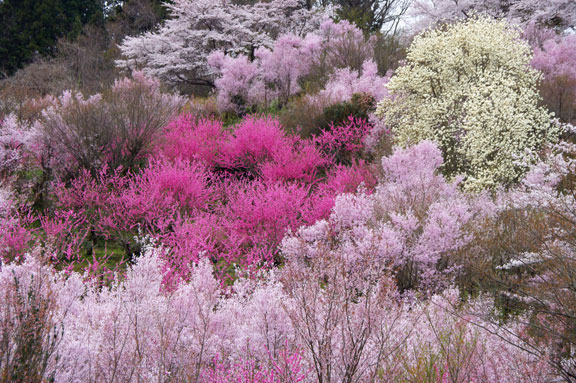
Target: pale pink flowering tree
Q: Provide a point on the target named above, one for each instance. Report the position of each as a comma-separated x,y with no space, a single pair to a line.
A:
311,324
239,82
273,75
17,143
556,59
345,82
336,53
177,52
411,225
554,13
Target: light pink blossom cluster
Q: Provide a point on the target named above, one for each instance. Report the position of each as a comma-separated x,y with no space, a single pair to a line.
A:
262,331
411,225
276,73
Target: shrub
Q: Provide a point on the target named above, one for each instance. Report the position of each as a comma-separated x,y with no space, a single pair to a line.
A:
344,141
304,115
118,128
470,89
191,139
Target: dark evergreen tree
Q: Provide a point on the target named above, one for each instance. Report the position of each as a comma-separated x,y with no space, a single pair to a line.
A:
30,28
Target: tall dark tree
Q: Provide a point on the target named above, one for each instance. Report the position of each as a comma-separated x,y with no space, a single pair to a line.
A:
30,28
372,15
132,17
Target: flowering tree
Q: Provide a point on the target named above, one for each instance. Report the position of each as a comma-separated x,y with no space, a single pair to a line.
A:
470,89
556,58
119,128
411,225
177,52
274,75
555,13
337,55
318,321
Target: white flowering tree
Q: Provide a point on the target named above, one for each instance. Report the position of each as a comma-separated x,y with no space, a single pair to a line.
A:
470,88
177,52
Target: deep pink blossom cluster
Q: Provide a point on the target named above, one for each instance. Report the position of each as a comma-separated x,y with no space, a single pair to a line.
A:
227,194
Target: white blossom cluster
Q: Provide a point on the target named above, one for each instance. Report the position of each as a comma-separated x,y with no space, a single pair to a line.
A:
470,89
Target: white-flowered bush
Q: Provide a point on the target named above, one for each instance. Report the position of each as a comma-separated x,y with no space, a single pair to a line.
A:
470,89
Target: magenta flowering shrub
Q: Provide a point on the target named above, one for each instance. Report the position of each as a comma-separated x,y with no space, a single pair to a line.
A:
227,195
254,141
345,141
15,237
260,213
190,139
258,146
116,206
300,162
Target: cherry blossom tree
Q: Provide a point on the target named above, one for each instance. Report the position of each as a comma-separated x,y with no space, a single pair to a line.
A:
337,55
177,52
559,14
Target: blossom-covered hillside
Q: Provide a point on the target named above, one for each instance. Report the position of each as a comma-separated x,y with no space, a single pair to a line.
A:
287,191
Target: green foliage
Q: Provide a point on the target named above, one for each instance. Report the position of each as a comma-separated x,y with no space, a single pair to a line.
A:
33,27
359,107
